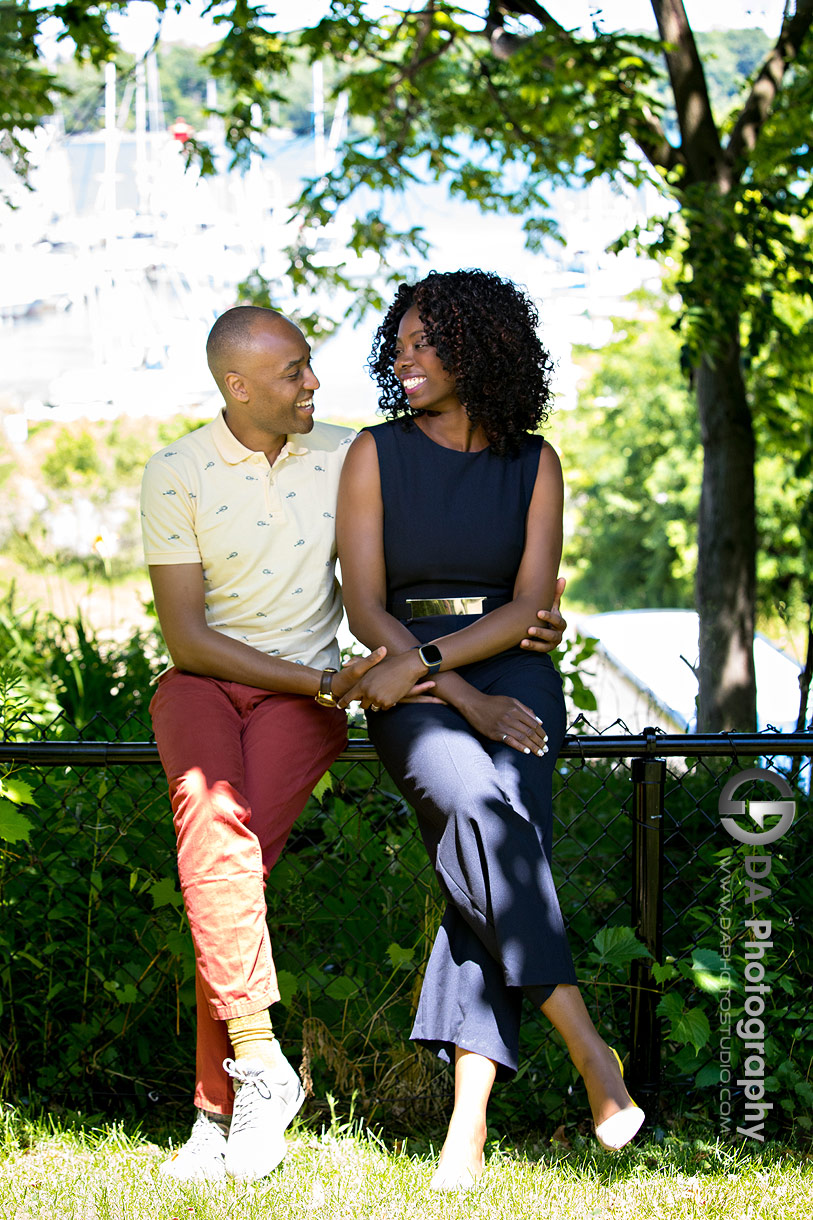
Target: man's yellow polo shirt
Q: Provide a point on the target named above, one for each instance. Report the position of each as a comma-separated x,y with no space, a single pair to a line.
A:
265,535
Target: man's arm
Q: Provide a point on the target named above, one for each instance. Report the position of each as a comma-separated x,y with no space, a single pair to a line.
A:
197,648
549,636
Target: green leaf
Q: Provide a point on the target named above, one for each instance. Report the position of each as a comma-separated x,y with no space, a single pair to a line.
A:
163,893
707,967
686,1061
314,980
401,958
288,986
670,1006
325,785
15,827
618,947
805,1091
662,974
342,988
710,1074
35,961
689,1027
179,943
18,791
711,983
125,994
582,697
709,960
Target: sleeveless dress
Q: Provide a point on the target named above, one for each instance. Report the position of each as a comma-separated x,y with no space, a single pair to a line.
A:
454,525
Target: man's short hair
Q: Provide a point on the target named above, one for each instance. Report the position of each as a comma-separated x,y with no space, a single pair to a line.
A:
230,333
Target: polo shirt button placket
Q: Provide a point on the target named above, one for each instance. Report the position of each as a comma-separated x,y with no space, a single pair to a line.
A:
273,503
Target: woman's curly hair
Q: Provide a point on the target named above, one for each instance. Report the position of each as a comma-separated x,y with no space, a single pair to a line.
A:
484,331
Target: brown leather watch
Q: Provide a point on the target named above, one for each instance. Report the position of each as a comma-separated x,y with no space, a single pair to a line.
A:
325,696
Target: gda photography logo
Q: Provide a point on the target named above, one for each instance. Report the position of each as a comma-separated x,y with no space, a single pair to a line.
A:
758,811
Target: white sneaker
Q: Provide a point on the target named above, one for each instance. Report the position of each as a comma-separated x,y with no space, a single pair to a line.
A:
266,1100
203,1157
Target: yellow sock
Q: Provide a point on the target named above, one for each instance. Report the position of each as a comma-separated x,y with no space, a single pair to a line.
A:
253,1038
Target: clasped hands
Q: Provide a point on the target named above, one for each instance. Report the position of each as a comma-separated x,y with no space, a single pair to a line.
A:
401,678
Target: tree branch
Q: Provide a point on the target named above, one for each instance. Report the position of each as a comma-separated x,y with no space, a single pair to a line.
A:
645,127
768,83
523,8
700,148
648,134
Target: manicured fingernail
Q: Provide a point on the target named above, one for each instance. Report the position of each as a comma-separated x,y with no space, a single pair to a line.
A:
545,750
542,753
538,721
527,750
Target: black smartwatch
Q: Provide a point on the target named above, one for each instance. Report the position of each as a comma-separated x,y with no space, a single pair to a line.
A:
431,656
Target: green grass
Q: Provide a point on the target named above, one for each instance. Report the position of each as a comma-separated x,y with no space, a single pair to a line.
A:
64,1172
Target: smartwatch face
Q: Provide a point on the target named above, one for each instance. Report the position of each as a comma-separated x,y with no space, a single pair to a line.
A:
431,654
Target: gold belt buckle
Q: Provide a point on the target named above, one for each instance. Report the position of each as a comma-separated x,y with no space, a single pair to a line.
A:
424,607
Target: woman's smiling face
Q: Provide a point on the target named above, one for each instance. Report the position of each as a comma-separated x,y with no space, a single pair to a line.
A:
427,384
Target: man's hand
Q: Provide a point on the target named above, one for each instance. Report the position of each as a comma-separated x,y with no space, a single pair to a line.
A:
546,638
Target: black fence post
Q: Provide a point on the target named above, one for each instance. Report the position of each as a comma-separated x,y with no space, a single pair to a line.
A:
648,777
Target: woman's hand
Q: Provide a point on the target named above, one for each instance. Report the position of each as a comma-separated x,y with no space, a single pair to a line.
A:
389,682
549,636
351,673
502,718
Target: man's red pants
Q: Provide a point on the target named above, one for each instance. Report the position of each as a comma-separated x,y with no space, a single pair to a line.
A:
241,763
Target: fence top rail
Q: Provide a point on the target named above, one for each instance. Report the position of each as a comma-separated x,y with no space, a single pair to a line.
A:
649,744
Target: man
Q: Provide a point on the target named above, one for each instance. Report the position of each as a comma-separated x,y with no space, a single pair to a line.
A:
238,521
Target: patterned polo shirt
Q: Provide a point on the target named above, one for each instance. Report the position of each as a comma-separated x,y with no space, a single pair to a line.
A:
265,535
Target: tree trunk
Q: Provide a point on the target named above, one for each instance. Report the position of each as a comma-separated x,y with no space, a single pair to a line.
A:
805,676
726,540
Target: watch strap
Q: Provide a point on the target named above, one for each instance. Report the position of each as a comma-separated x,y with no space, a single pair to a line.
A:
325,696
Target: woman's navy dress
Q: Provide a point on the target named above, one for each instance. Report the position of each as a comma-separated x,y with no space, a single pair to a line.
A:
454,525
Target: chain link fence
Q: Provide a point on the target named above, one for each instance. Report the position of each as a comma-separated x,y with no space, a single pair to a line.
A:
97,971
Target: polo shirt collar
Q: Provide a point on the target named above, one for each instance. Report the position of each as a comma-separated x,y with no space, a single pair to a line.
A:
230,449
233,451
295,446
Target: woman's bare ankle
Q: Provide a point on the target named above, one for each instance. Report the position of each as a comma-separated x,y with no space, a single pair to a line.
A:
606,1091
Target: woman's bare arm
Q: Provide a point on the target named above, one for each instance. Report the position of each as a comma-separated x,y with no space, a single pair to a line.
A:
360,534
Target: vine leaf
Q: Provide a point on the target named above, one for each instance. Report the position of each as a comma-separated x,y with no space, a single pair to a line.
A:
617,947
15,827
164,894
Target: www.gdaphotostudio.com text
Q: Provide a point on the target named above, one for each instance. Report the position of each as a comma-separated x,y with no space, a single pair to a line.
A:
748,1080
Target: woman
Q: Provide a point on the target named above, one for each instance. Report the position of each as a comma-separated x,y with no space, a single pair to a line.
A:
450,535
